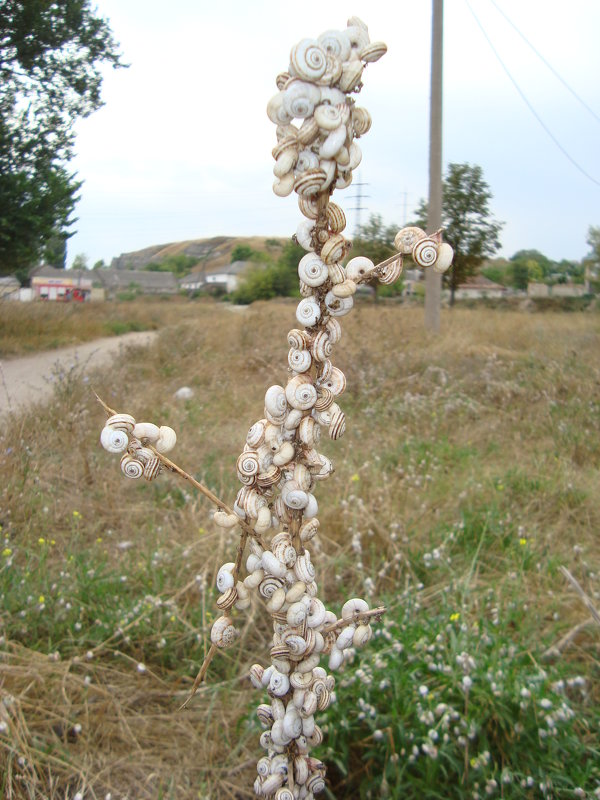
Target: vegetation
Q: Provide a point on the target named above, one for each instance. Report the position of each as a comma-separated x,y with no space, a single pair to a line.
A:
467,476
178,264
269,279
467,220
51,55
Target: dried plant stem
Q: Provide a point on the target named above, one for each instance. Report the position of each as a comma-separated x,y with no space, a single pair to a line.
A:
358,617
201,675
586,600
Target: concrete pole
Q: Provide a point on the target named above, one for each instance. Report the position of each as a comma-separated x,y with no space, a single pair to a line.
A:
433,281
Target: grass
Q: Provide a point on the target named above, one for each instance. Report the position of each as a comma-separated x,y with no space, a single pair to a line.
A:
467,476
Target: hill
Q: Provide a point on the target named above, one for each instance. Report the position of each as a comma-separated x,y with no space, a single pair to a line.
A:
211,253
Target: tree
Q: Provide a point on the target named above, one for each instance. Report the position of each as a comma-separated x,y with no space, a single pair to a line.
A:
469,226
591,263
376,241
51,52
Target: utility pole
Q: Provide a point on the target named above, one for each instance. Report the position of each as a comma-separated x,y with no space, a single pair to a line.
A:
433,281
359,208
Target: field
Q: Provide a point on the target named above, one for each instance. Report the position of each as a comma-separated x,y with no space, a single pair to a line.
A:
467,477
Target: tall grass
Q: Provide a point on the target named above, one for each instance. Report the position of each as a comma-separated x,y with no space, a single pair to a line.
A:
467,477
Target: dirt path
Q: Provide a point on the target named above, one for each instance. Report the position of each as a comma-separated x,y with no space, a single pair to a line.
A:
26,380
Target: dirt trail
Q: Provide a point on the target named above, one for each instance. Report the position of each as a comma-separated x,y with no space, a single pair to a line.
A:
29,379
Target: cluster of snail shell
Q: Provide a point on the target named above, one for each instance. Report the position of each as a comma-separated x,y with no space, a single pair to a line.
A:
122,434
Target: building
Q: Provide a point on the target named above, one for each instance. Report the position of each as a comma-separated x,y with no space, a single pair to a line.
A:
115,281
64,285
478,287
225,278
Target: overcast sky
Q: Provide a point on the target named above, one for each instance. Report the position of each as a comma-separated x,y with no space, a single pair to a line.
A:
182,147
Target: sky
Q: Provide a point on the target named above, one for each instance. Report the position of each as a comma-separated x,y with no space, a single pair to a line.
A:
181,148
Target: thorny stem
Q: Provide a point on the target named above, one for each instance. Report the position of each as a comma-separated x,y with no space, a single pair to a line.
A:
357,617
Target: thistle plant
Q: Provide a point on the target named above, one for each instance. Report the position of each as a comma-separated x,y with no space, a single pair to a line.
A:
280,467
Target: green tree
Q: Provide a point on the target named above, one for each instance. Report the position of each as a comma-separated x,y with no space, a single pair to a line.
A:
376,241
241,252
51,53
469,226
179,264
80,261
591,263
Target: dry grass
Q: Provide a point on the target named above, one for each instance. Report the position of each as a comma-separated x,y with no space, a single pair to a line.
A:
496,420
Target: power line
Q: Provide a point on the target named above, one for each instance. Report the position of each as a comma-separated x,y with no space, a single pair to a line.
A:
546,62
527,103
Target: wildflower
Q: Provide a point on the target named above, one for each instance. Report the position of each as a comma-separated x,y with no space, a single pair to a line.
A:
355,477
41,540
523,541
423,690
98,539
455,616
141,668
76,514
377,735
41,599
7,552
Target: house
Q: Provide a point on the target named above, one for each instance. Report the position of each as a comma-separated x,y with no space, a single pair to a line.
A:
65,285
144,281
225,278
538,290
9,288
568,290
478,287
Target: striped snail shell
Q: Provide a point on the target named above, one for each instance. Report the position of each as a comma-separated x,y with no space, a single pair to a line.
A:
336,219
284,793
256,434
333,72
265,717
425,252
334,329
282,79
302,475
300,770
337,427
286,132
131,467
269,476
301,393
328,117
151,468
309,130
336,382
304,569
309,432
334,141
223,632
167,439
307,160
406,238
337,43
312,270
248,466
296,645
361,120
144,454
391,272
351,75
256,674
324,399
373,52
308,312
275,402
444,259
338,306
298,339
344,289
344,178
299,360
286,553
308,531
263,765
228,599
321,347
121,422
266,742
304,233
310,182
308,206
276,112
114,440
334,249
269,585
358,268
325,371
335,98
337,274
308,60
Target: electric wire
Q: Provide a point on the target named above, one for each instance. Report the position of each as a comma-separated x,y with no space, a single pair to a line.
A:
527,102
546,62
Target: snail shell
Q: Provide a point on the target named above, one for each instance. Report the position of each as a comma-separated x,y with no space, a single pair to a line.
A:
334,141
265,717
293,419
312,507
301,680
304,233
299,360
225,578
151,468
270,785
345,636
332,73
269,585
337,427
334,329
334,249
362,635
263,520
343,158
324,471
167,439
306,160
266,742
296,614
284,793
406,238
351,75
300,392
356,605
307,532
275,603
252,580
309,706
285,453
337,274
121,422
308,60
344,289
355,154
280,764
357,33
390,272
275,402
303,568
293,496
336,43
256,434
282,79
361,121
373,52
298,339
344,178
310,182
335,98
228,599
444,259
279,683
357,269
316,783
273,566
292,723
425,252
336,658
325,399
256,675
131,467
296,645
276,112
263,765
268,477
296,592
336,219
146,430
248,466
224,520
308,132
316,613
309,432
308,312
336,382
300,770
328,117
308,206
329,167
312,270
284,186
338,306
114,440
321,346
286,553
223,632
288,144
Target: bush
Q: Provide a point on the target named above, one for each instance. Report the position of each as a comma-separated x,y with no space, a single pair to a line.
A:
449,707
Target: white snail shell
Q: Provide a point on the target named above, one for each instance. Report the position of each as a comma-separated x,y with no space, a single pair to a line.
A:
312,270
308,312
328,117
338,306
276,601
114,440
293,496
296,614
355,605
337,43
223,632
344,289
309,432
301,393
284,455
298,339
309,130
299,360
304,234
344,638
304,569
309,530
308,60
273,566
406,238
300,98
362,635
292,722
334,249
336,383
308,205
444,259
373,52
334,141
279,683
225,578
357,269
361,120
284,186
131,467
336,658
167,439
351,75
316,613
275,402
425,252
146,430
293,419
